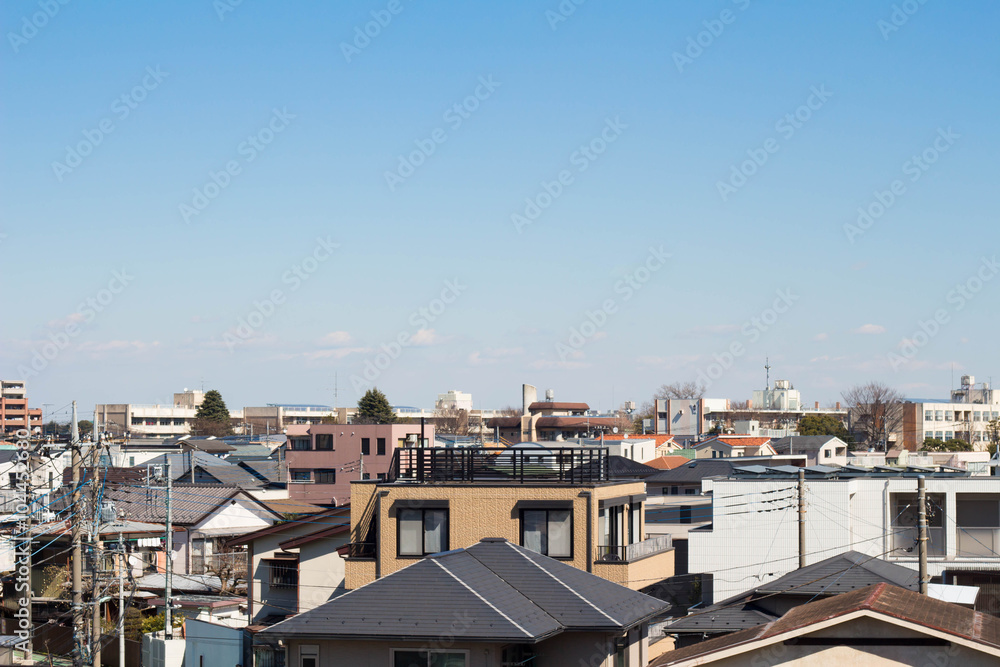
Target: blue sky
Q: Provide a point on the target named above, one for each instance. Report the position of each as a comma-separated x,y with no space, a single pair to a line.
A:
305,260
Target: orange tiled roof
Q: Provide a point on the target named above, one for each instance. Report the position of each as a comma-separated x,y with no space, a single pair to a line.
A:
668,462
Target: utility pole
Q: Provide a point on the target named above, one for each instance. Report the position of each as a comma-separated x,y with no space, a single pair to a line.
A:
122,562
77,574
802,517
96,548
922,534
168,628
29,503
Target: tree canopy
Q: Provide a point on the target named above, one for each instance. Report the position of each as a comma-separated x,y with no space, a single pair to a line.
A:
374,408
952,445
212,416
824,425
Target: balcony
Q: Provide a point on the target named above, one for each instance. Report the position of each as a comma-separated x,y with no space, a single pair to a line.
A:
636,565
505,465
633,552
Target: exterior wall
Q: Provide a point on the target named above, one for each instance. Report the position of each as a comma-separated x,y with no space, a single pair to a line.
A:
570,648
321,571
264,600
930,420
345,457
14,411
210,644
477,511
757,541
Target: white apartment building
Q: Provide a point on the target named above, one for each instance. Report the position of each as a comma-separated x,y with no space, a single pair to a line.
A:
454,400
965,416
753,537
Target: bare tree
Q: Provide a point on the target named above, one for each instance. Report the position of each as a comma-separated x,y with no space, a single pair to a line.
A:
230,566
451,421
875,411
509,411
680,390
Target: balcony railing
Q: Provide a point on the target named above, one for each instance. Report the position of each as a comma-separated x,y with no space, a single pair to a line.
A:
513,464
978,542
361,550
633,552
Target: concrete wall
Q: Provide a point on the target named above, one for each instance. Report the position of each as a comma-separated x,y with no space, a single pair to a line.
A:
321,571
212,645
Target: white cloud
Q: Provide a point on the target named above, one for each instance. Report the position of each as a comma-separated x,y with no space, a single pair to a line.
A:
820,336
870,329
335,339
426,337
491,356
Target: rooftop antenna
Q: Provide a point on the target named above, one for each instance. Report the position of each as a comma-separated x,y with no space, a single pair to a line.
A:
203,384
767,370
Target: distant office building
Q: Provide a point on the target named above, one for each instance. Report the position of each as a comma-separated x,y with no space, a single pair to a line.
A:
454,400
965,416
14,411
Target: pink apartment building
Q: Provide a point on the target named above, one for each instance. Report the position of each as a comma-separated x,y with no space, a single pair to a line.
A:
323,459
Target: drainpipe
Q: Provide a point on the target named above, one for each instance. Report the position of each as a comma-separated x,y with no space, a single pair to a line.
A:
590,529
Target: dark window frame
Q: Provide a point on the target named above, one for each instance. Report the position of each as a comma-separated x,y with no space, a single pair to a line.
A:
287,571
324,442
572,526
379,446
423,532
320,476
296,471
366,446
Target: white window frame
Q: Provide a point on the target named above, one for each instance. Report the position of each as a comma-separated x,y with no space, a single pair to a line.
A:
308,651
428,651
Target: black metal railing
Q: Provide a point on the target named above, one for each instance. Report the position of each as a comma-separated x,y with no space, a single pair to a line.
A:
361,550
484,464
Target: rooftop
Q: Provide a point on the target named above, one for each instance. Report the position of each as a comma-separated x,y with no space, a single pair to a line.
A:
524,463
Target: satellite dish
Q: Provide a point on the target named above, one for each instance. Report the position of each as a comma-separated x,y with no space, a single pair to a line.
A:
614,430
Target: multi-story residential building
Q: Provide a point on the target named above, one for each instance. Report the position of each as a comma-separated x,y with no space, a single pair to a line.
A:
549,420
323,459
754,531
14,411
964,416
560,502
454,400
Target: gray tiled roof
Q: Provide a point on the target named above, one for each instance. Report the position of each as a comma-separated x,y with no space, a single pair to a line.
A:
695,471
501,592
844,572
188,503
800,444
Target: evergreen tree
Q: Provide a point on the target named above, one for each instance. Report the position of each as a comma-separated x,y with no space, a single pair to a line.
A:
824,425
374,408
212,416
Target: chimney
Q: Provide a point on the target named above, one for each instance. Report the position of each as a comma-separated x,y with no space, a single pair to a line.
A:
817,405
838,405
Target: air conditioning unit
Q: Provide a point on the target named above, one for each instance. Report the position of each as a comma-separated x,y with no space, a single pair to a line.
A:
158,471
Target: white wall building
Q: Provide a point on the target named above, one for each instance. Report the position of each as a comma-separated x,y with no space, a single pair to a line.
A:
454,400
965,416
782,397
754,533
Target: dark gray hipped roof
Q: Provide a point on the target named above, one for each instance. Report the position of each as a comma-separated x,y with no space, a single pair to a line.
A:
695,471
499,591
799,444
844,572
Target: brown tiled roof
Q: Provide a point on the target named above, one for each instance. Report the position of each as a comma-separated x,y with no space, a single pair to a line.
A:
547,405
737,441
880,598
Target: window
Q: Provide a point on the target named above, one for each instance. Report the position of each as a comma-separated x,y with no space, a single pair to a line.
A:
549,532
949,416
977,416
131,462
380,475
301,475
422,532
326,476
380,447
635,523
827,453
429,658
366,475
688,492
301,444
366,446
324,442
938,415
309,655
929,416
284,573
